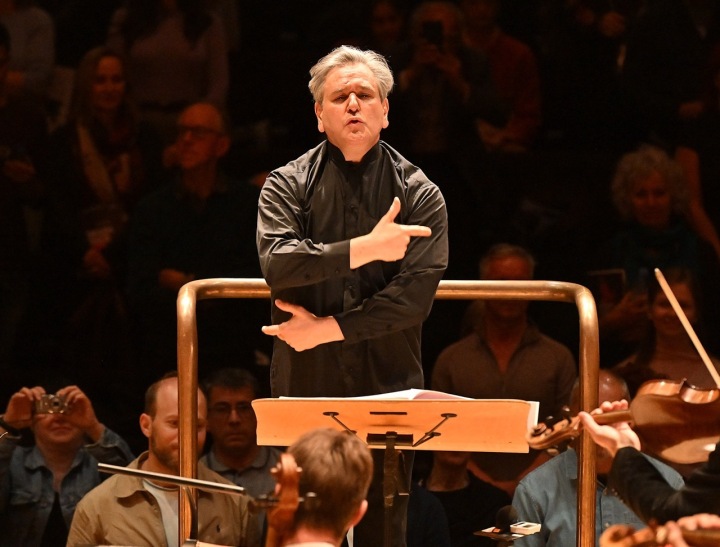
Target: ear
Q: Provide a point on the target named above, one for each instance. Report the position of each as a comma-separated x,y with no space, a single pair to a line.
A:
318,114
386,108
146,424
359,514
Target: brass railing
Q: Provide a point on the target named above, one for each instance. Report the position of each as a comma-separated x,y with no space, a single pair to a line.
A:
589,359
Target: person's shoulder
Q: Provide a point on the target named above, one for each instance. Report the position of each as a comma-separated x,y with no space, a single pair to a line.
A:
551,471
35,15
302,163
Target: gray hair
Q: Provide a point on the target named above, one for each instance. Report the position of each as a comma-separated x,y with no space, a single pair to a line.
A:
637,166
348,55
504,250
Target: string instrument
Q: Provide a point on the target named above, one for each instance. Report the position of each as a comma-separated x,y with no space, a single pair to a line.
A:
621,535
281,516
674,420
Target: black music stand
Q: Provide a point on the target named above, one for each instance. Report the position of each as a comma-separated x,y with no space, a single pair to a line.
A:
412,419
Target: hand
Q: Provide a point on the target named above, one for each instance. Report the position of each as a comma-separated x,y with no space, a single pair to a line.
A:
701,521
81,413
19,411
304,330
611,437
387,241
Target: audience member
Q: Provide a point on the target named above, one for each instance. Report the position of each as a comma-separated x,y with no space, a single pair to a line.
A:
442,87
41,483
352,240
337,468
177,54
201,225
506,357
640,485
470,503
22,140
651,197
32,34
387,26
427,523
127,510
666,351
96,168
548,495
232,424
514,73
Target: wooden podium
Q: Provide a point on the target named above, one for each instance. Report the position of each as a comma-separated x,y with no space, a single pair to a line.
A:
412,420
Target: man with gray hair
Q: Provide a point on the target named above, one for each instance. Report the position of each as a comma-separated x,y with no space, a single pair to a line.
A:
352,239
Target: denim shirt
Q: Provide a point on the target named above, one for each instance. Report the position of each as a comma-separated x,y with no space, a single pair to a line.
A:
26,485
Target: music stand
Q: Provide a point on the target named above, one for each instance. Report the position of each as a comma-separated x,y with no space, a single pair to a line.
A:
412,419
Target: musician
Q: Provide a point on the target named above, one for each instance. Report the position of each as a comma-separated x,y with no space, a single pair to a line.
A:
548,495
127,510
352,239
640,485
337,468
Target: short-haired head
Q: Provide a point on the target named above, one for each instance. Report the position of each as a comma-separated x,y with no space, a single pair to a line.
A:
505,250
152,391
636,167
349,55
231,378
217,118
611,387
338,468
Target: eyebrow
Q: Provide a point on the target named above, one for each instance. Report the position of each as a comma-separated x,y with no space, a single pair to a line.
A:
343,89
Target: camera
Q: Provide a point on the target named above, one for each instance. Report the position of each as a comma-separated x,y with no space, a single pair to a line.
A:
432,31
51,404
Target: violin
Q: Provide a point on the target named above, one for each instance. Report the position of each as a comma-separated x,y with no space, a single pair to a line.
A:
674,420
281,516
621,535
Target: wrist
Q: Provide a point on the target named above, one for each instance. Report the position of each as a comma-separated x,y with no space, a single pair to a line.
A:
95,432
12,431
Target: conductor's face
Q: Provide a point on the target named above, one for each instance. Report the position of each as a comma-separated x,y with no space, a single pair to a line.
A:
351,113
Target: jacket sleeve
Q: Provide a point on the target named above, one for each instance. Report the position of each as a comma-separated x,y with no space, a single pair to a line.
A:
111,449
641,486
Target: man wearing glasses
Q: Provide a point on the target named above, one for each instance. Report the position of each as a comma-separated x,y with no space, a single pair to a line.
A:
234,452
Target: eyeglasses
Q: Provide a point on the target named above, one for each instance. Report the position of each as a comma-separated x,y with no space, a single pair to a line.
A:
225,409
196,131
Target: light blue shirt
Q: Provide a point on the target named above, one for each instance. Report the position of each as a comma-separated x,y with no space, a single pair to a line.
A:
548,495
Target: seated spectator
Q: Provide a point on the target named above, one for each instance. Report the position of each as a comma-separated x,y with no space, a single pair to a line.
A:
232,425
514,73
178,55
96,167
470,503
337,468
199,226
505,356
548,495
650,194
32,33
127,510
666,351
40,484
22,142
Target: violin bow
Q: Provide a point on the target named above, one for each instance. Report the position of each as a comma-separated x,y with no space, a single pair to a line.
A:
688,327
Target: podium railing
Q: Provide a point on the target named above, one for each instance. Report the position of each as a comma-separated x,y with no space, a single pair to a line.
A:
588,357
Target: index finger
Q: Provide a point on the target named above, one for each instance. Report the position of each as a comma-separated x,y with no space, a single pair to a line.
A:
417,231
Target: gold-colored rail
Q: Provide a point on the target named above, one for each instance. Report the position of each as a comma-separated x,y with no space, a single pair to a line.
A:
589,359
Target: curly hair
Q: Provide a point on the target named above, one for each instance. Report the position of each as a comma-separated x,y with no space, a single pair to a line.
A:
637,166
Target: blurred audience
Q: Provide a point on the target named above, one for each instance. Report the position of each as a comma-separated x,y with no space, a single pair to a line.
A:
32,34
42,482
22,142
177,55
666,351
651,197
514,73
504,356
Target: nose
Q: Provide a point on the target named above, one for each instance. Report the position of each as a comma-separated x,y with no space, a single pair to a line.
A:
353,103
